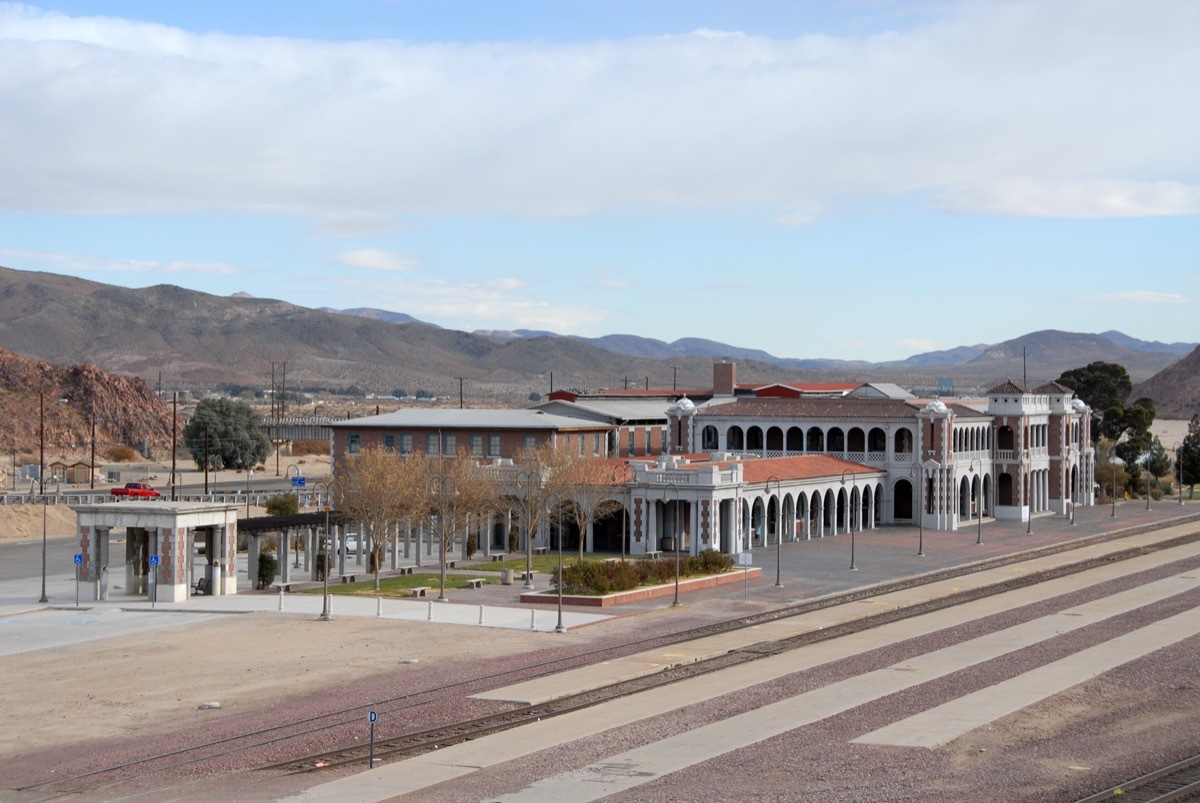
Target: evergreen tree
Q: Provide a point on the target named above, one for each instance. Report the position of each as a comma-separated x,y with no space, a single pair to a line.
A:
226,433
1189,456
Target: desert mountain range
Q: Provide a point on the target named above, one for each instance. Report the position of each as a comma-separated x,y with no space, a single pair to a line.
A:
177,338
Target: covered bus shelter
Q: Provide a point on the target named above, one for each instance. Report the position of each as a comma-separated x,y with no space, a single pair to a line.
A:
162,541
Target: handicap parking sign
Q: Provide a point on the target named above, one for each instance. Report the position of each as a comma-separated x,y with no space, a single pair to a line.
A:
154,560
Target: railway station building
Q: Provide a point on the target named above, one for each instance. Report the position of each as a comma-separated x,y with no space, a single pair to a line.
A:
750,466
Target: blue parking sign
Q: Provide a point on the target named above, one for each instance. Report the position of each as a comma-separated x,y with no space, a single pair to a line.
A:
79,560
154,560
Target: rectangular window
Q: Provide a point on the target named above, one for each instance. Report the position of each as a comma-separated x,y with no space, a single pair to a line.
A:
406,443
476,446
389,443
432,446
493,445
663,448
529,442
632,442
354,443
596,444
450,445
582,441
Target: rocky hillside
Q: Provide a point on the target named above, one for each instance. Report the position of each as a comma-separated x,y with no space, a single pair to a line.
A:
126,410
1175,389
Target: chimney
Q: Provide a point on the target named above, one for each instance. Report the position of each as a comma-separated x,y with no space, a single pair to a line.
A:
724,378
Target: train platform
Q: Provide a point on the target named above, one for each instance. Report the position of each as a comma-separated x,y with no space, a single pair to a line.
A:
645,763
805,570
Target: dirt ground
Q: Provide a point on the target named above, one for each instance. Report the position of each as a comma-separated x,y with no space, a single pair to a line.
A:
250,660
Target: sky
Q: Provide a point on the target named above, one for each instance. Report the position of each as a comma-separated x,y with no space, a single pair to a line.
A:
851,179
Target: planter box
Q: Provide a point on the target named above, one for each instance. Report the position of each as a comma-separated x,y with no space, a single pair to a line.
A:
645,592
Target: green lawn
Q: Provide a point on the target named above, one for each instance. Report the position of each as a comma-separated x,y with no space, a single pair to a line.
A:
399,586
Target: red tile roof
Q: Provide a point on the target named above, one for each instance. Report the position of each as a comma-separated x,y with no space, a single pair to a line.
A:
811,408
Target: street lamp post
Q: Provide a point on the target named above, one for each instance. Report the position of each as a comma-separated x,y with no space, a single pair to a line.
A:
442,485
979,501
1028,490
616,477
779,533
44,598
850,514
673,488
325,487
1148,489
524,479
914,470
1179,468
557,502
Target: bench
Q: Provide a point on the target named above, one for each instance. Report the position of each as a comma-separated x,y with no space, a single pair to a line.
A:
541,550
476,582
523,576
201,587
420,591
496,558
653,553
347,578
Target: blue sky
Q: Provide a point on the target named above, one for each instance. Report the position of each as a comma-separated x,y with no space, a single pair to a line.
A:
859,179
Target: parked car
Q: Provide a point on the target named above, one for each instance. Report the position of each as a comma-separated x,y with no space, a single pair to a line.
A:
140,490
351,543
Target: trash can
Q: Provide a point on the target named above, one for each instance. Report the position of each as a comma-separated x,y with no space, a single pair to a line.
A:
506,577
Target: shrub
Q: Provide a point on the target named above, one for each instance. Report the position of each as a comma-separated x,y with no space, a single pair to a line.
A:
283,505
266,569
122,454
513,540
472,545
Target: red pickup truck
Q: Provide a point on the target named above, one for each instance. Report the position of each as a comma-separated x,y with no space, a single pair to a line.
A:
136,489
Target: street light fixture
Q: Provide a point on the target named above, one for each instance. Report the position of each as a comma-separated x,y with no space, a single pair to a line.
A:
979,501
524,480
1148,489
1179,468
914,470
850,514
779,532
616,477
672,487
1026,457
557,506
44,598
442,485
326,487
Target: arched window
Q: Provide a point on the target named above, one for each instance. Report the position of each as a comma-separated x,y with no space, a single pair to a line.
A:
735,439
816,439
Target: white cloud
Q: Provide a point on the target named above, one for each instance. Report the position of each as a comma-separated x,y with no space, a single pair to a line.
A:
1139,297
1082,100
490,304
375,259
916,345
102,268
355,225
1082,199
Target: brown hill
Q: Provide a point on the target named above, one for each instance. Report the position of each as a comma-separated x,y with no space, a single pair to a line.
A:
194,340
1175,389
125,410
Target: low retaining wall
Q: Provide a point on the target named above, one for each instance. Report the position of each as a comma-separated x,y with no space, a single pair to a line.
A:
646,592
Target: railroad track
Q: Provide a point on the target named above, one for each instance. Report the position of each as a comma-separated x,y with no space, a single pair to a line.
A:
416,743
1180,781
413,743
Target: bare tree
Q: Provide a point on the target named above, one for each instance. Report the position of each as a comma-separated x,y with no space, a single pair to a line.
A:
372,493
537,480
455,489
588,484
